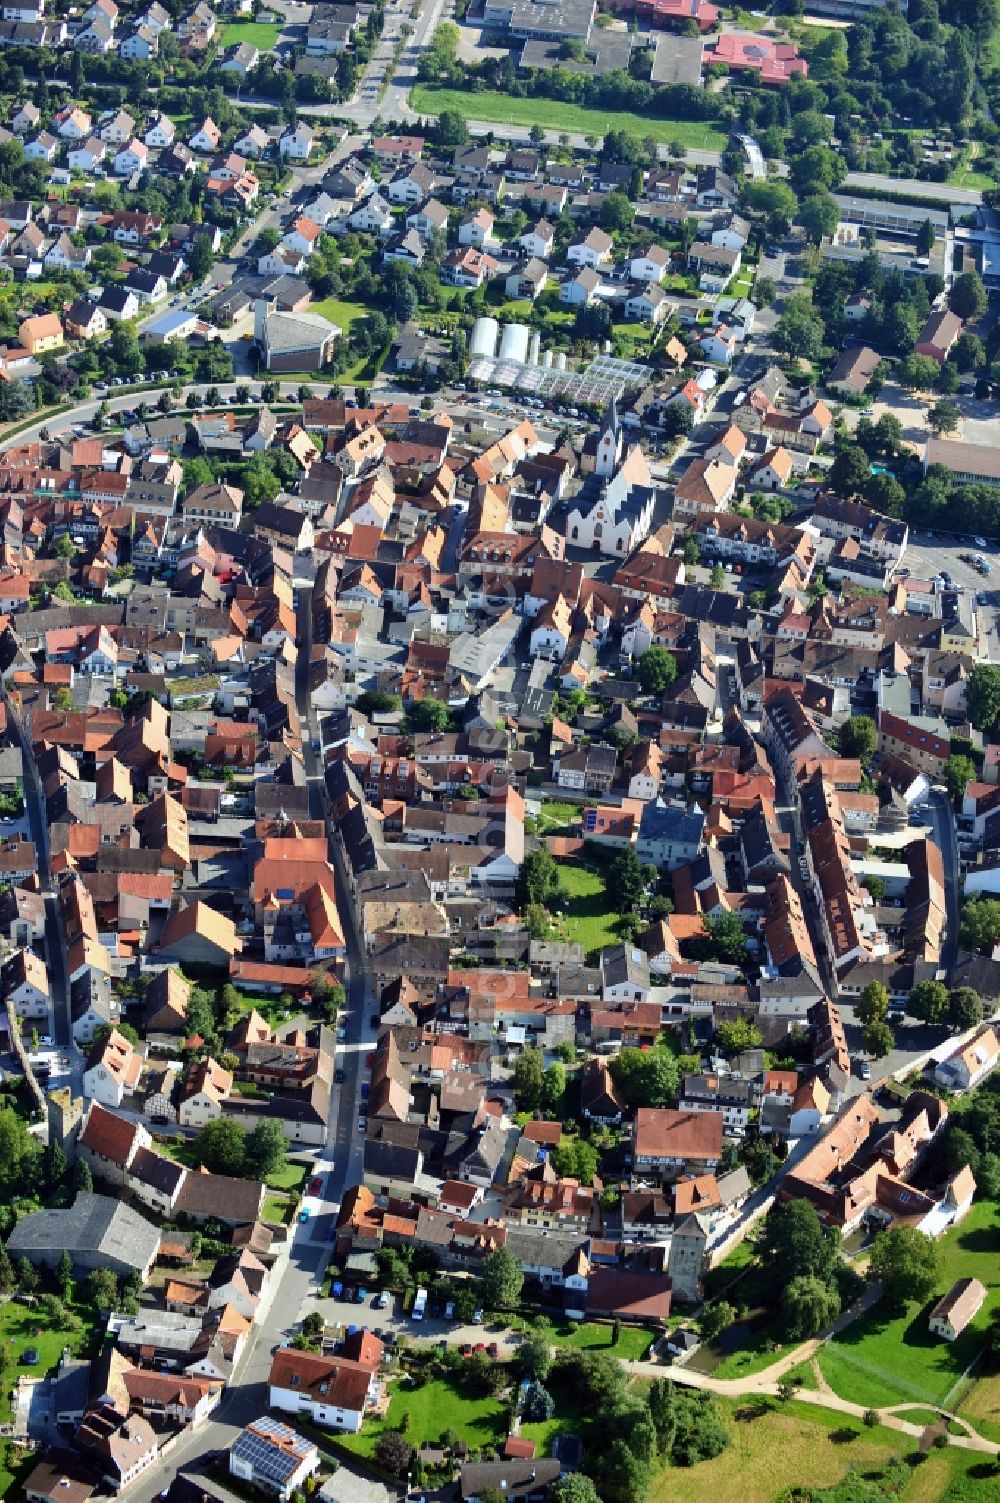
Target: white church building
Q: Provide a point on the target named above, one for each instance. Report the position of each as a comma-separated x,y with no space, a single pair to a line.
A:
613,511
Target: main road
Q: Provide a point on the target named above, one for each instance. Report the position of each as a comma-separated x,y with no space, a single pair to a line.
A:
338,1163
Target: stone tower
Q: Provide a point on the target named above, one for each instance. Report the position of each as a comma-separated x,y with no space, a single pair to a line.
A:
687,1256
65,1118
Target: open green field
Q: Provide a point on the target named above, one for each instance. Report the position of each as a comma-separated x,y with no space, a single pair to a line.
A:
507,109
951,1477
586,918
981,1405
342,314
773,1447
262,34
431,1410
882,1359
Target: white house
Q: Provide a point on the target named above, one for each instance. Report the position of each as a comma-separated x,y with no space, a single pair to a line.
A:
302,236
113,1068
42,149
331,1391
141,45
373,217
88,156
206,137
477,229
593,250
270,1456
297,144
581,290
954,1310
968,1065
131,158
650,305
75,125
254,143
160,132
719,345
26,986
650,266
551,631
538,240
772,471
118,129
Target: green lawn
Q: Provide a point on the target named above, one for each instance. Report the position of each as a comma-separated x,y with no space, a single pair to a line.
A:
759,1352
891,1360
275,1210
19,1330
556,814
437,1406
342,314
952,1476
289,1178
263,34
507,109
586,918
633,1343
568,1419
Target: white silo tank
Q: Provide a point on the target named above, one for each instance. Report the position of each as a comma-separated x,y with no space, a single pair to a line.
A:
534,345
514,343
547,360
484,337
561,361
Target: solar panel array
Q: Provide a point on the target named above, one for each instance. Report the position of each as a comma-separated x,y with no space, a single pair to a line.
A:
272,1449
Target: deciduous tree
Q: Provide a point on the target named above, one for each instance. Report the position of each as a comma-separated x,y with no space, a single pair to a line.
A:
929,1002
501,1280
807,1305
904,1262
221,1146
858,737
655,669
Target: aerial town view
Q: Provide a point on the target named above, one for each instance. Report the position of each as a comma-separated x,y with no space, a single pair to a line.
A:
499,751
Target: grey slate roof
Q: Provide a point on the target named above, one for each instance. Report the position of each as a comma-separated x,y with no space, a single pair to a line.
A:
92,1224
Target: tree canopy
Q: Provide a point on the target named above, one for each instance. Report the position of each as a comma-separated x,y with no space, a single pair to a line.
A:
501,1280
904,1261
655,669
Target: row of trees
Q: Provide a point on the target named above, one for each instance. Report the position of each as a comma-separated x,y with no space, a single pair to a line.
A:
957,1008
224,1147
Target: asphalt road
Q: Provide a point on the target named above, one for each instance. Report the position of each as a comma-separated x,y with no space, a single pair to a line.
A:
339,1163
939,193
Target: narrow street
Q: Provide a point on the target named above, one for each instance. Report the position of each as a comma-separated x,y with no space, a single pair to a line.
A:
297,1278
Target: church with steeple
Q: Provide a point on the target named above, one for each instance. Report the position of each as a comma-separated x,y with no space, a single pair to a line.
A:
612,513
609,443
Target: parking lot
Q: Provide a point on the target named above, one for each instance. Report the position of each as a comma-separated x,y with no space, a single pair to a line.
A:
392,1322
